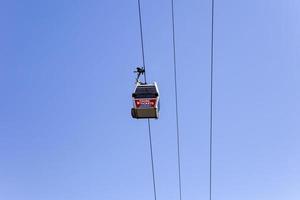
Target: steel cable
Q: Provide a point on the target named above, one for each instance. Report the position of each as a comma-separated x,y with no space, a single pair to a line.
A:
176,103
211,99
149,123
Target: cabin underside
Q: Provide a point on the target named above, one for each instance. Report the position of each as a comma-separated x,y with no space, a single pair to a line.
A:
144,113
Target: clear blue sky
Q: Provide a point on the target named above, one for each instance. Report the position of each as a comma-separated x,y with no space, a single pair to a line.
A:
66,80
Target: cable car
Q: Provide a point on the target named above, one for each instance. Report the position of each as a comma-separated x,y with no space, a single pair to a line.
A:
145,98
145,101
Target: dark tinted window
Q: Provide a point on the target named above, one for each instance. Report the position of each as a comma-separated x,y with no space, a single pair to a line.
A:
145,92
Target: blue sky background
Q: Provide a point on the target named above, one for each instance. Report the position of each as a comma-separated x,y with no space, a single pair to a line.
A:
66,81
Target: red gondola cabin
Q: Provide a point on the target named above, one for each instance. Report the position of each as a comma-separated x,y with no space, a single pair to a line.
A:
145,101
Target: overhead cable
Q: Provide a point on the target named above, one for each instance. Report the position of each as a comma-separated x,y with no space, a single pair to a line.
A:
149,124
211,99
176,103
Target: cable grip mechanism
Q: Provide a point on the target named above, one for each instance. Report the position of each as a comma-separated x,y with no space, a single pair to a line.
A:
139,71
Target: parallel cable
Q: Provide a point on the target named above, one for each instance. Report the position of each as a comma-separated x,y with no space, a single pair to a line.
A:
149,124
176,104
142,39
152,162
211,98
